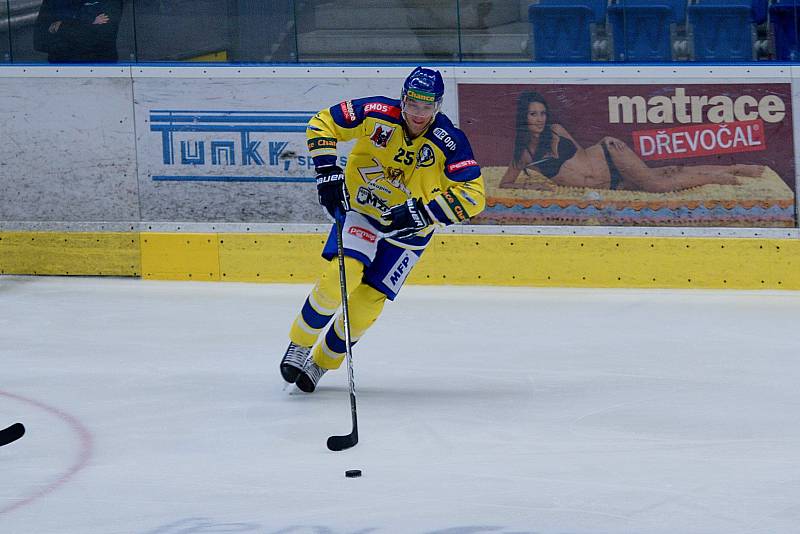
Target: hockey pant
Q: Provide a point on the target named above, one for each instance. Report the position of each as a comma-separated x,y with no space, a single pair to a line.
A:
365,305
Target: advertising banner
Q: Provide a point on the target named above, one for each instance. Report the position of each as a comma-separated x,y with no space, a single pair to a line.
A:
637,155
233,149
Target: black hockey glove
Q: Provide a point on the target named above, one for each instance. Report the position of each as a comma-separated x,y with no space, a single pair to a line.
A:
407,218
332,191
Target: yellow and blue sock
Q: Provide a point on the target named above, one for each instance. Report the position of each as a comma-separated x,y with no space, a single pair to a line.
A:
323,301
365,306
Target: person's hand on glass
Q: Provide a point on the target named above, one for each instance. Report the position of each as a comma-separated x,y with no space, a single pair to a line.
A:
102,18
54,26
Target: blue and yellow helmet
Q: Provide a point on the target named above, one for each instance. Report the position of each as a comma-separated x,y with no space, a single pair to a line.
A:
425,85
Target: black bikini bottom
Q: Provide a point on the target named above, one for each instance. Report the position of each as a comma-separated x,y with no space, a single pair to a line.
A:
616,177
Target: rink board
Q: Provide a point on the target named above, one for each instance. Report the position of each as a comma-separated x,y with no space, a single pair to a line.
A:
451,259
70,253
93,188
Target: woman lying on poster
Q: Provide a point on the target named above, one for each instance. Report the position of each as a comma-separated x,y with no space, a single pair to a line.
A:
546,147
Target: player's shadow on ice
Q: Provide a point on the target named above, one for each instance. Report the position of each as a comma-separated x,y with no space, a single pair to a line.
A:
416,394
10,283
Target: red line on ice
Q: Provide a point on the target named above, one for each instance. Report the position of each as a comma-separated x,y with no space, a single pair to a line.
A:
86,446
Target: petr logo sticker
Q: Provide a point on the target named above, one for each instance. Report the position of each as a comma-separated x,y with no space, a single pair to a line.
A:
362,233
453,167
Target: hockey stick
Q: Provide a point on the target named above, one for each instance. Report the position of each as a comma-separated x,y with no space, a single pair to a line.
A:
11,434
339,443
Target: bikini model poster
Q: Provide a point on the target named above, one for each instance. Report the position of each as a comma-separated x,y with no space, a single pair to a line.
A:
633,155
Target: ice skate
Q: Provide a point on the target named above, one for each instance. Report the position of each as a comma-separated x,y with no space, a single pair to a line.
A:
309,376
293,362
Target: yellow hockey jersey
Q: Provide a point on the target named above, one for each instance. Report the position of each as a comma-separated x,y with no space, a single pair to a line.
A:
386,167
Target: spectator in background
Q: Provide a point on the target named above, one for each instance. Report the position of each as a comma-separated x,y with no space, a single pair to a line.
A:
78,31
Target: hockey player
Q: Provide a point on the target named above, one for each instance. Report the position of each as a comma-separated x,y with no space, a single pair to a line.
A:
409,171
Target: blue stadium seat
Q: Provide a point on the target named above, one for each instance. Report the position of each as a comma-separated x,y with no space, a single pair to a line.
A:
760,11
642,29
785,19
561,29
722,29
598,6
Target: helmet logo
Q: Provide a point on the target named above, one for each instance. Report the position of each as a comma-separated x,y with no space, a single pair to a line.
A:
419,95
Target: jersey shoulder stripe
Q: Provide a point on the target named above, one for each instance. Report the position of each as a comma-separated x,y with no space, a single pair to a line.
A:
460,164
352,113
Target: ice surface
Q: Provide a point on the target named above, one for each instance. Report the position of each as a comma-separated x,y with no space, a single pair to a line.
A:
158,408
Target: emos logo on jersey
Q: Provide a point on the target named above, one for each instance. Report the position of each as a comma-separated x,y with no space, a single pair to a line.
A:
380,107
362,233
376,106
381,135
454,167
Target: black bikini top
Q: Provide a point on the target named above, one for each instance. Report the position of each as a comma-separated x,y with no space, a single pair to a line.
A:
548,164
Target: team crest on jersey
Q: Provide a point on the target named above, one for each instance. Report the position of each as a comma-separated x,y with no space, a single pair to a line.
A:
367,197
397,178
425,158
381,135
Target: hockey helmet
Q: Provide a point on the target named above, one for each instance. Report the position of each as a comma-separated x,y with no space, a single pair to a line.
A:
425,85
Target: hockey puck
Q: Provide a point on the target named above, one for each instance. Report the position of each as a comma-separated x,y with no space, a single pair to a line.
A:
352,473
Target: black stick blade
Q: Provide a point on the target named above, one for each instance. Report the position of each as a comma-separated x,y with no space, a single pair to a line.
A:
11,434
340,443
